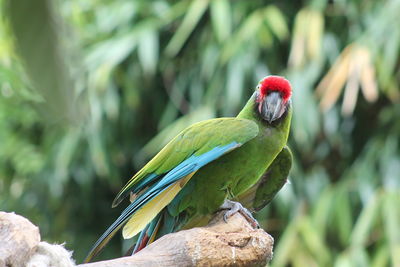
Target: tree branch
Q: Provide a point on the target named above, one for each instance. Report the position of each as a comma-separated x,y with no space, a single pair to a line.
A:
234,243
219,243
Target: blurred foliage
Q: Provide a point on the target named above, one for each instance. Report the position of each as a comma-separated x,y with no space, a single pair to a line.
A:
92,89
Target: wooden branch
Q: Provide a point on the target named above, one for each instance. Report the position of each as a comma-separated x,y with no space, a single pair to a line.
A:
234,243
219,243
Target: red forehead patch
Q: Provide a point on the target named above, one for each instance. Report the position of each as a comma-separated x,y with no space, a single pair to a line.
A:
276,83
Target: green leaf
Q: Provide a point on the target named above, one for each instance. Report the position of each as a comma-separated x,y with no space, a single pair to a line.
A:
221,19
192,17
365,221
342,215
246,32
234,87
287,244
313,240
381,257
111,52
276,22
359,257
148,51
391,215
343,260
323,210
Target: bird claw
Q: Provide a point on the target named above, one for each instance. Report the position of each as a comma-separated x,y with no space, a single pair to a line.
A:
233,207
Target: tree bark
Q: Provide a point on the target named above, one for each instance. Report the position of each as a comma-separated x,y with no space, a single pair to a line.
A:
234,243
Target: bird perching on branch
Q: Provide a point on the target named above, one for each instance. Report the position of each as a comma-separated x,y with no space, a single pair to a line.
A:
208,165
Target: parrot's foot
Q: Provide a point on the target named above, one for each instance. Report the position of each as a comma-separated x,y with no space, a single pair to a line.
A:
232,207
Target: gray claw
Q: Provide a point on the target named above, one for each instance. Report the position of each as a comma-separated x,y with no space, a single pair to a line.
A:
232,207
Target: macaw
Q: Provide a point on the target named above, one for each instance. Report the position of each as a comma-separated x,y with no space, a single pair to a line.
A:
207,166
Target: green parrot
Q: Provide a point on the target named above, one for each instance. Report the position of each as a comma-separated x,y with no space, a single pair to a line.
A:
208,166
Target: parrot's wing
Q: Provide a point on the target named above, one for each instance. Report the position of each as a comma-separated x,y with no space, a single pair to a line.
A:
222,135
160,180
260,194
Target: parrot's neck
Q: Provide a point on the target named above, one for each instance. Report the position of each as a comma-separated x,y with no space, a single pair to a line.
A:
250,112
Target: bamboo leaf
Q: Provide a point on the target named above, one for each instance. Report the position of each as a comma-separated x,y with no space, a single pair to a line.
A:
221,19
287,244
381,257
365,221
247,31
111,52
315,32
313,241
368,82
322,210
352,85
332,84
148,51
297,54
192,17
276,22
391,215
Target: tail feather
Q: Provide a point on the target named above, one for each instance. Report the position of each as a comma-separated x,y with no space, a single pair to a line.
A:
148,234
103,240
142,240
139,213
149,211
154,233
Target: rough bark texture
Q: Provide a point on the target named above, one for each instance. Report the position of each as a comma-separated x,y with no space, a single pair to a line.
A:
234,243
18,239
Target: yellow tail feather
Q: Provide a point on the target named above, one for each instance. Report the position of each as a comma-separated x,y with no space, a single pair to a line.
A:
149,211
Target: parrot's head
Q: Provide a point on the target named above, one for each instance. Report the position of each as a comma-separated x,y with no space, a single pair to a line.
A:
273,97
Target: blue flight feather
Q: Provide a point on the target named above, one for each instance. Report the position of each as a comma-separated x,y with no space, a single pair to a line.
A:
146,181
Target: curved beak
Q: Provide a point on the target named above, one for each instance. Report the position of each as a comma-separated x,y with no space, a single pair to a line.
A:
272,107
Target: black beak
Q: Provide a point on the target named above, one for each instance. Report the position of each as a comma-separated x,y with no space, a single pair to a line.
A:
272,107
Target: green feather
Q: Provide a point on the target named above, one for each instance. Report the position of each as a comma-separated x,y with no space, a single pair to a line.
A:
260,194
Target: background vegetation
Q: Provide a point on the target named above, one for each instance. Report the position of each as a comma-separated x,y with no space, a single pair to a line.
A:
91,89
